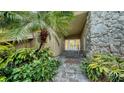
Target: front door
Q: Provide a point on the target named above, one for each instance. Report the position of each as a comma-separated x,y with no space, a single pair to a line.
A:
72,44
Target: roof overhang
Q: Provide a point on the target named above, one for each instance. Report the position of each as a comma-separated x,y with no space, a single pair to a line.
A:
77,24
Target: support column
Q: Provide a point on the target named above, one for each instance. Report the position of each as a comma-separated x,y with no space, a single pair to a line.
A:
75,44
68,44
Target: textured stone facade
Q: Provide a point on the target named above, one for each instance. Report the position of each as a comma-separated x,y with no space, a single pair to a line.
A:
104,32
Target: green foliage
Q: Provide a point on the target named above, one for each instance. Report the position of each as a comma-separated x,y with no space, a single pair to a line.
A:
104,67
58,20
18,24
95,72
5,52
35,71
2,78
84,65
21,56
114,75
27,65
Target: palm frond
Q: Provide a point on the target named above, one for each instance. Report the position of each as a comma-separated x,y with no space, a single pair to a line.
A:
22,32
58,21
18,25
54,35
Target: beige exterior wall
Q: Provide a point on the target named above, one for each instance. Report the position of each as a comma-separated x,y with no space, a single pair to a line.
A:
51,43
54,46
24,44
27,44
83,37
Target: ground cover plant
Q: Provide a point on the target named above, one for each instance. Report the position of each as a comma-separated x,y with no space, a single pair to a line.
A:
26,64
104,67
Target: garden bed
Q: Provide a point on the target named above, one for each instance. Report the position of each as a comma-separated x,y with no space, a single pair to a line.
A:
26,65
104,67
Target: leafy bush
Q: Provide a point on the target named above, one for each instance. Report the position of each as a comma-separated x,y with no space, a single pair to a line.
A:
27,65
84,65
104,67
21,56
95,72
2,78
35,71
114,75
5,52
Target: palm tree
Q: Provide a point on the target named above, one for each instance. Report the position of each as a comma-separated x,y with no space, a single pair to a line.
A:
19,24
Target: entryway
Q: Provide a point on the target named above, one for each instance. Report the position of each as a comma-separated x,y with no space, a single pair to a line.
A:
72,44
72,48
70,71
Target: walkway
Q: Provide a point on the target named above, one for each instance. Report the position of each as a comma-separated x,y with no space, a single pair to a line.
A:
69,71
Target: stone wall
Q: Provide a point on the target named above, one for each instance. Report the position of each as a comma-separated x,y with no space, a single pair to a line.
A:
104,32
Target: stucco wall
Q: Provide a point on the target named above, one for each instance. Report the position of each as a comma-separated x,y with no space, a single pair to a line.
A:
56,46
105,32
27,44
51,43
84,32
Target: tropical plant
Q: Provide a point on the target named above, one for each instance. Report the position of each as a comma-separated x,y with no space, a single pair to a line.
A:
96,72
27,65
5,52
85,62
18,25
2,78
104,67
114,75
28,72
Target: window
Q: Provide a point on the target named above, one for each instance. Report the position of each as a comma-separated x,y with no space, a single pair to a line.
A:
72,44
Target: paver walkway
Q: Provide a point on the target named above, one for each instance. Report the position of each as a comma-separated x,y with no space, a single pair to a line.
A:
69,71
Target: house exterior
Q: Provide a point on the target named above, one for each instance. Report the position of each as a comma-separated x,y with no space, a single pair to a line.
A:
89,32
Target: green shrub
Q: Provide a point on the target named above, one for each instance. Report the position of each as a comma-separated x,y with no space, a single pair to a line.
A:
5,52
27,65
21,56
84,64
114,75
96,72
2,78
104,67
35,71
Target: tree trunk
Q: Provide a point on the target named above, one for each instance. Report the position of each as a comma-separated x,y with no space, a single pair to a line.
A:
43,37
39,47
